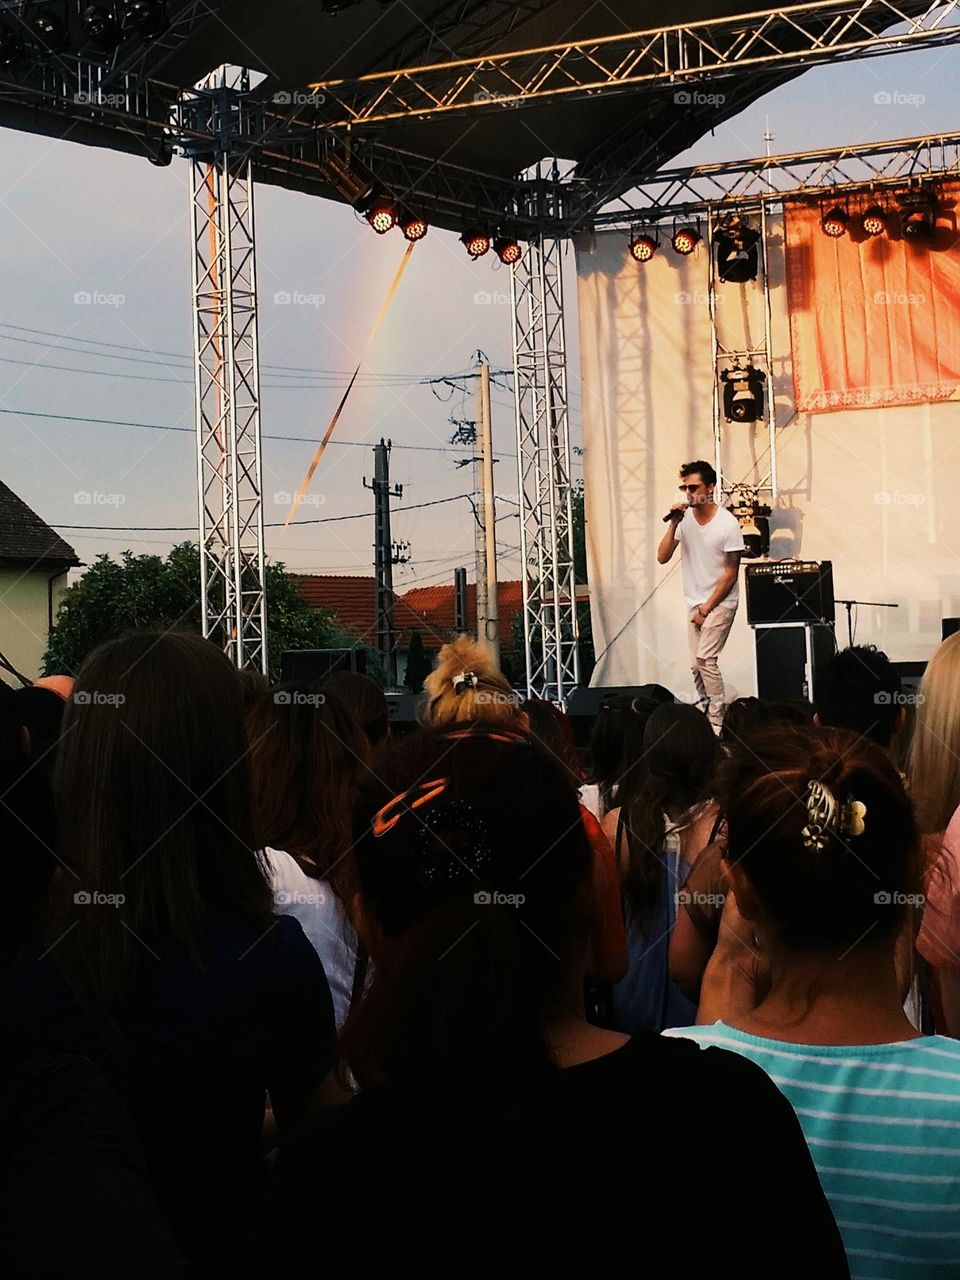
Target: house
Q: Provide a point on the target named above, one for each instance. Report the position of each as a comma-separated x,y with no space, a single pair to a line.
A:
33,577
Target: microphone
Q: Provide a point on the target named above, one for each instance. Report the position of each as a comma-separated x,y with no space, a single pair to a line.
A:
671,514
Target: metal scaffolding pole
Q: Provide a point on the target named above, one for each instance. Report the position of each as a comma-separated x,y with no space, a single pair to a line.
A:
227,386
543,466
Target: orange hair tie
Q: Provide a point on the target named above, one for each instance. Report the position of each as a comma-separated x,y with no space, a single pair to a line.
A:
387,817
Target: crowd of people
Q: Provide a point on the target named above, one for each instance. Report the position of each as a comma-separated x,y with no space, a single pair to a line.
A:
273,979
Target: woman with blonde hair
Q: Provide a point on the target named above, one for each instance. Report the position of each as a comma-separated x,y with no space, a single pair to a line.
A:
466,686
934,774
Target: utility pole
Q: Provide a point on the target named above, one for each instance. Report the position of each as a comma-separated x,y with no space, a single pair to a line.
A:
460,623
385,553
488,613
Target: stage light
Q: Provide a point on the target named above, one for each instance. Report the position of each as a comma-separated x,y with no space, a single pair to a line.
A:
742,393
918,214
49,32
753,516
382,216
143,16
685,240
507,250
642,247
834,223
477,241
738,250
874,221
413,226
11,46
99,24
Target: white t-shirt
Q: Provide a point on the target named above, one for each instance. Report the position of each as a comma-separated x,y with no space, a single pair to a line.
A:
702,549
322,919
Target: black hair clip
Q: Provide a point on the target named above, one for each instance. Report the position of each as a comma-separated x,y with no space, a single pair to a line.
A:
465,680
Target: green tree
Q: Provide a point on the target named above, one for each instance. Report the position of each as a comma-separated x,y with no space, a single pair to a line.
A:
419,665
148,592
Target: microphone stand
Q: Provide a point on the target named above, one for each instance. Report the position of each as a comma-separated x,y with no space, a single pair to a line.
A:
872,604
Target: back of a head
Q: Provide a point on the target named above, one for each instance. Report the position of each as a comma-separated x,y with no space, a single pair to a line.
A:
859,689
551,730
746,716
308,755
680,750
935,748
824,883
40,712
365,701
465,686
472,863
616,745
154,801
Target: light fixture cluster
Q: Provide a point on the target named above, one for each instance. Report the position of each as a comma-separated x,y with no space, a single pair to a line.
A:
383,215
915,213
478,239
686,236
39,30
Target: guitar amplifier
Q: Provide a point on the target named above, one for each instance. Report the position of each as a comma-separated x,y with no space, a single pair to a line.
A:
790,591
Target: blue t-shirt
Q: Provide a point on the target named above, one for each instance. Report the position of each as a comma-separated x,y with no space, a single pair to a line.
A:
883,1125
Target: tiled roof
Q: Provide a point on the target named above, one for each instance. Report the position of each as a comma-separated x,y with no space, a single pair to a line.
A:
436,608
353,602
26,539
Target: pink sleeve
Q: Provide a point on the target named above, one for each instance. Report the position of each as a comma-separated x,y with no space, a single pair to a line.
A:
939,938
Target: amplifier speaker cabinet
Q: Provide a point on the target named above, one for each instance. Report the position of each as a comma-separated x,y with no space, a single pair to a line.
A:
788,659
790,591
316,664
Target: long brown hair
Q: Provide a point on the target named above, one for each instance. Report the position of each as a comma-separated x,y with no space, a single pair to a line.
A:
308,756
155,814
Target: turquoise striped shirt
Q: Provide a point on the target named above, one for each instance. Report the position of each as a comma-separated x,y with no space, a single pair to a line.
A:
883,1125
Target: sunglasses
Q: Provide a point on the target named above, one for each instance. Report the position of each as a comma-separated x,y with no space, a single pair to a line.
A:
691,487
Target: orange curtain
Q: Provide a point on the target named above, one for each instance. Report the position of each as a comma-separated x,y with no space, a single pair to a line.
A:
873,322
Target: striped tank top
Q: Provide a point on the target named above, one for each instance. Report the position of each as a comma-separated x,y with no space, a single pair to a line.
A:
883,1125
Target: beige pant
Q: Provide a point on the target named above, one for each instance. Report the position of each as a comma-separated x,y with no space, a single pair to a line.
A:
705,645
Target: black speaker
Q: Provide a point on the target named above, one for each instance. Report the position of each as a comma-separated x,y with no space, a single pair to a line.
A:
403,711
305,665
948,626
789,658
789,591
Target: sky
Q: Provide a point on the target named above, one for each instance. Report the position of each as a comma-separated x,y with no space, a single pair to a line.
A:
96,331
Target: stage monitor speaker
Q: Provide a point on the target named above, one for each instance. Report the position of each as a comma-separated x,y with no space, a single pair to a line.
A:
788,659
948,626
789,591
307,665
403,711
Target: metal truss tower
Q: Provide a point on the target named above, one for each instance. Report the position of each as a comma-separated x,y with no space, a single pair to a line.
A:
233,588
543,467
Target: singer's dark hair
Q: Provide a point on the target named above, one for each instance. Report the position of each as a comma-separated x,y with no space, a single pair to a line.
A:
701,469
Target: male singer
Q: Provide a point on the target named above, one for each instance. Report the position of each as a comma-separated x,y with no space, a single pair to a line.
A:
711,544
